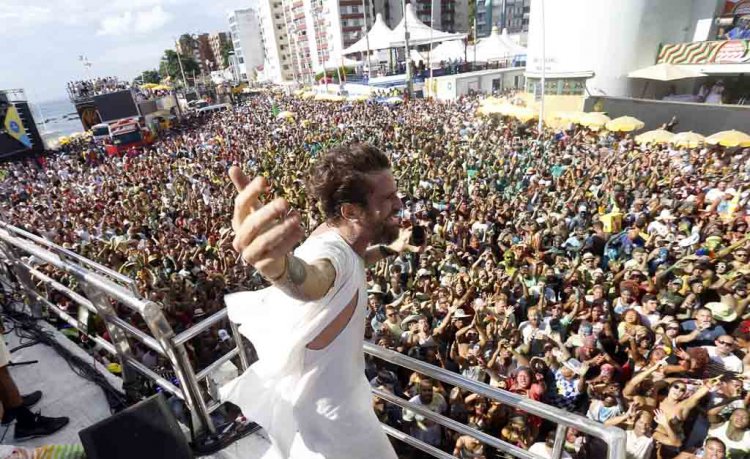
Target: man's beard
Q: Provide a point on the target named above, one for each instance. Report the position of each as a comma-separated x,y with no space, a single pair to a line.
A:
385,232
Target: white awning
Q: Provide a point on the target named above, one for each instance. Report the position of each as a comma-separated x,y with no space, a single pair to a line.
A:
666,72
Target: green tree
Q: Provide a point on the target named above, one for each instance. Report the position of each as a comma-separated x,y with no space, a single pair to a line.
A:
148,76
226,48
170,66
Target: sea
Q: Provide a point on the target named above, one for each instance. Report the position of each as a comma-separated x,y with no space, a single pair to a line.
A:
55,119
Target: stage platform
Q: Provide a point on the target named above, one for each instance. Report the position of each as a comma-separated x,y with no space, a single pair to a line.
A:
67,394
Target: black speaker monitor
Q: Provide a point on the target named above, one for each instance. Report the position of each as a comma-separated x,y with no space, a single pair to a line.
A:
147,430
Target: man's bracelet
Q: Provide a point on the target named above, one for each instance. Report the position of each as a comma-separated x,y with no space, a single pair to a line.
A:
387,251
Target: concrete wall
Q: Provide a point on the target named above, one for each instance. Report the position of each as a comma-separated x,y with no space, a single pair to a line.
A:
702,118
450,87
609,37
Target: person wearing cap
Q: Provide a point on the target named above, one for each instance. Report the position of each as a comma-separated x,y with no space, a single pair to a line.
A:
410,334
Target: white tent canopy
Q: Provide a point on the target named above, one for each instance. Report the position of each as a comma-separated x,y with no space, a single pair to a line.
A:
497,47
448,51
419,32
379,36
334,62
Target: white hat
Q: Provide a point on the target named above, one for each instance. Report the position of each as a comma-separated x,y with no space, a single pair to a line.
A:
412,318
375,290
198,312
423,273
574,365
666,214
224,335
460,314
722,311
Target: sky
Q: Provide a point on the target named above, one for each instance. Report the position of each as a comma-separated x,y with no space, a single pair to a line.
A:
44,39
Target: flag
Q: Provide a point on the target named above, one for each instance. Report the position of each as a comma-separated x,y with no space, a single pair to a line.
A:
275,110
14,126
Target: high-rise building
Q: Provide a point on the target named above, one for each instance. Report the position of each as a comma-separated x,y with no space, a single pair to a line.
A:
450,15
277,61
302,37
199,48
245,30
218,41
512,15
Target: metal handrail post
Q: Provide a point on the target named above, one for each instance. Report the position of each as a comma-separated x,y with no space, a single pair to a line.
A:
116,335
23,277
244,363
560,433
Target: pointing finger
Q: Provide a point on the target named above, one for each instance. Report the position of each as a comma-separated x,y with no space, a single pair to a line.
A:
239,179
247,201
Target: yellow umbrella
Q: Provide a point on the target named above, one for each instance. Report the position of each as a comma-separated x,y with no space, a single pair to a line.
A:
729,139
523,114
688,139
624,124
149,85
568,117
657,136
594,120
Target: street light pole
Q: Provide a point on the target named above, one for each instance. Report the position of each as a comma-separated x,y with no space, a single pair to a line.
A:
408,56
544,72
432,27
179,61
367,39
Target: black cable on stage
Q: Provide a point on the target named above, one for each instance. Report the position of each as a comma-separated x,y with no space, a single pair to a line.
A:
27,328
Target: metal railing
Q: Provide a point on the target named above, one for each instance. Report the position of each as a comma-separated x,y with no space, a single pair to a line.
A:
614,437
25,254
100,285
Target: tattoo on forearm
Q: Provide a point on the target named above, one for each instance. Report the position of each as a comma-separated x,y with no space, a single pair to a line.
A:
296,273
293,280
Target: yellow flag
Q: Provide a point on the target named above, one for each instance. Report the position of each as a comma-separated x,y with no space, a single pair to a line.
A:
14,126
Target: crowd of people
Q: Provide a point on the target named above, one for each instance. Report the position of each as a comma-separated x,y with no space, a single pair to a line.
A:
570,267
95,87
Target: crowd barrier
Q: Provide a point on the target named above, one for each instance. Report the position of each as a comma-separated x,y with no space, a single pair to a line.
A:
24,253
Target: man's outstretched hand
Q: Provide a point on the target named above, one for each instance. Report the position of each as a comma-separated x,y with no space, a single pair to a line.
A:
264,234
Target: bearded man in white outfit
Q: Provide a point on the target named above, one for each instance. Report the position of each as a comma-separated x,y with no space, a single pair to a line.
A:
308,389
